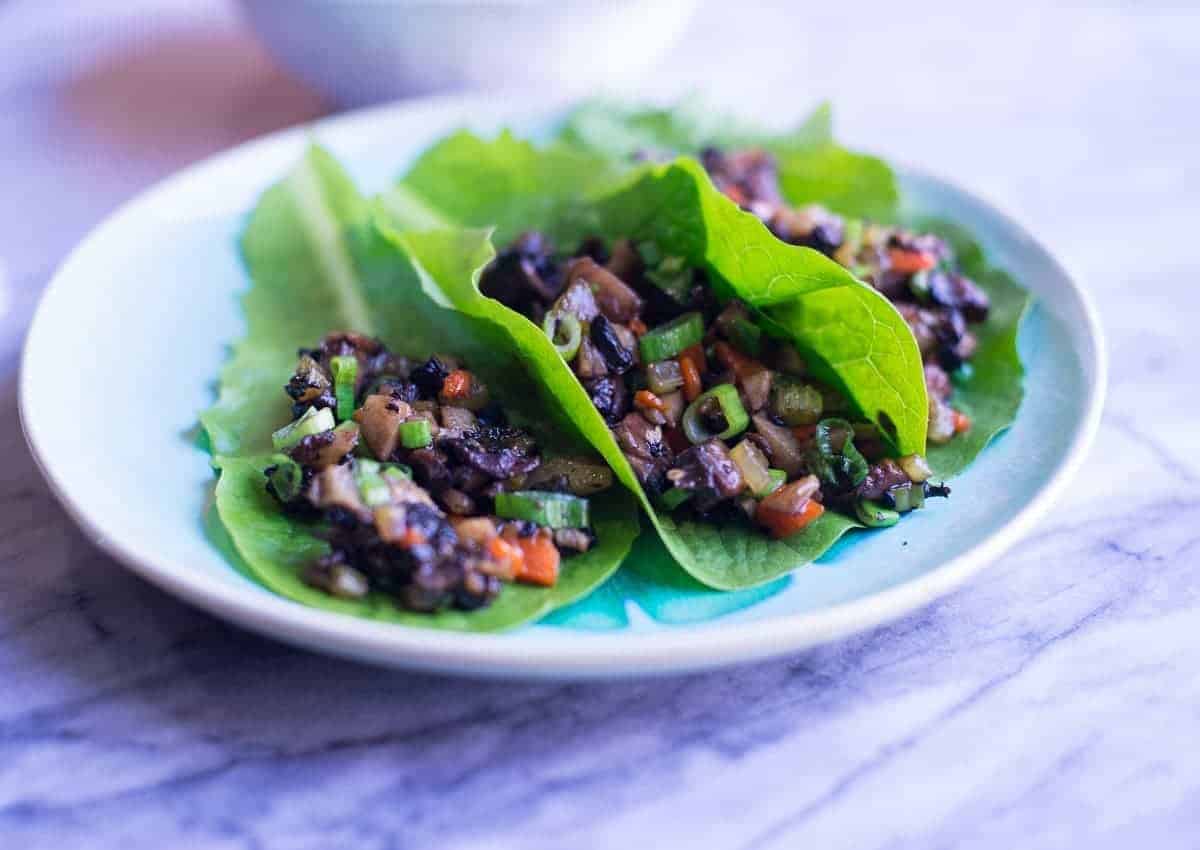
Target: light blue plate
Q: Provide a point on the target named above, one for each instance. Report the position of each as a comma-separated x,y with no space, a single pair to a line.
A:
146,306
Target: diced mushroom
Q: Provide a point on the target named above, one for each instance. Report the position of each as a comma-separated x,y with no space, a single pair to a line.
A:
616,299
500,452
781,443
590,363
708,471
334,487
310,384
881,477
327,448
379,420
456,421
523,273
577,299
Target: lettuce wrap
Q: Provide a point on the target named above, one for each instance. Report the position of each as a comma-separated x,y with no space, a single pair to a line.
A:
317,263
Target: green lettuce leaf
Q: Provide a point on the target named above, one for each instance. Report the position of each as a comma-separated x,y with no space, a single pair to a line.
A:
990,392
318,263
813,168
503,183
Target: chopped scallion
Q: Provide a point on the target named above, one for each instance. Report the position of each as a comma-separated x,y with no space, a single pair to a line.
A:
415,434
668,340
345,375
552,510
674,497
372,489
720,405
564,331
312,421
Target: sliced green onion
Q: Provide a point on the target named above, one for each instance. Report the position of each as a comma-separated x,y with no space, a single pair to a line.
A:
313,421
553,510
794,402
875,515
745,336
672,338
670,274
564,331
674,497
907,498
415,433
752,463
372,489
777,479
345,374
396,471
286,477
664,377
728,407
831,463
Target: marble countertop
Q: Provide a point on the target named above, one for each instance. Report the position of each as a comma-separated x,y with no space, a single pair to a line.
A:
1053,702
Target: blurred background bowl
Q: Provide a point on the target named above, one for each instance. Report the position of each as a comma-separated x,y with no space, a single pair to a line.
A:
363,51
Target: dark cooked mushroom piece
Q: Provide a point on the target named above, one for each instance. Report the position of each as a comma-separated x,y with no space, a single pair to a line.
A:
609,396
429,376
747,176
430,469
310,385
343,343
645,448
881,477
604,336
524,273
709,472
499,451
960,293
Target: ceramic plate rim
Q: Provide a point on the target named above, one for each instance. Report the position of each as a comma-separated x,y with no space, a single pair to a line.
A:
587,655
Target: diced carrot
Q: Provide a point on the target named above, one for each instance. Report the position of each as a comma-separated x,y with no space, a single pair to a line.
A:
647,399
411,538
911,262
638,326
695,353
540,560
784,524
457,384
508,557
691,379
962,422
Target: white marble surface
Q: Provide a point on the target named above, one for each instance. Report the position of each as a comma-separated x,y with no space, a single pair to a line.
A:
1054,702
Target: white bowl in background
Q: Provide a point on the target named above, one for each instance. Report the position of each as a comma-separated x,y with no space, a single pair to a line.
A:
363,51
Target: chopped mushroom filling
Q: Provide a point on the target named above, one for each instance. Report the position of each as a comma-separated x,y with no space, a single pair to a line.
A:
716,418
427,493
